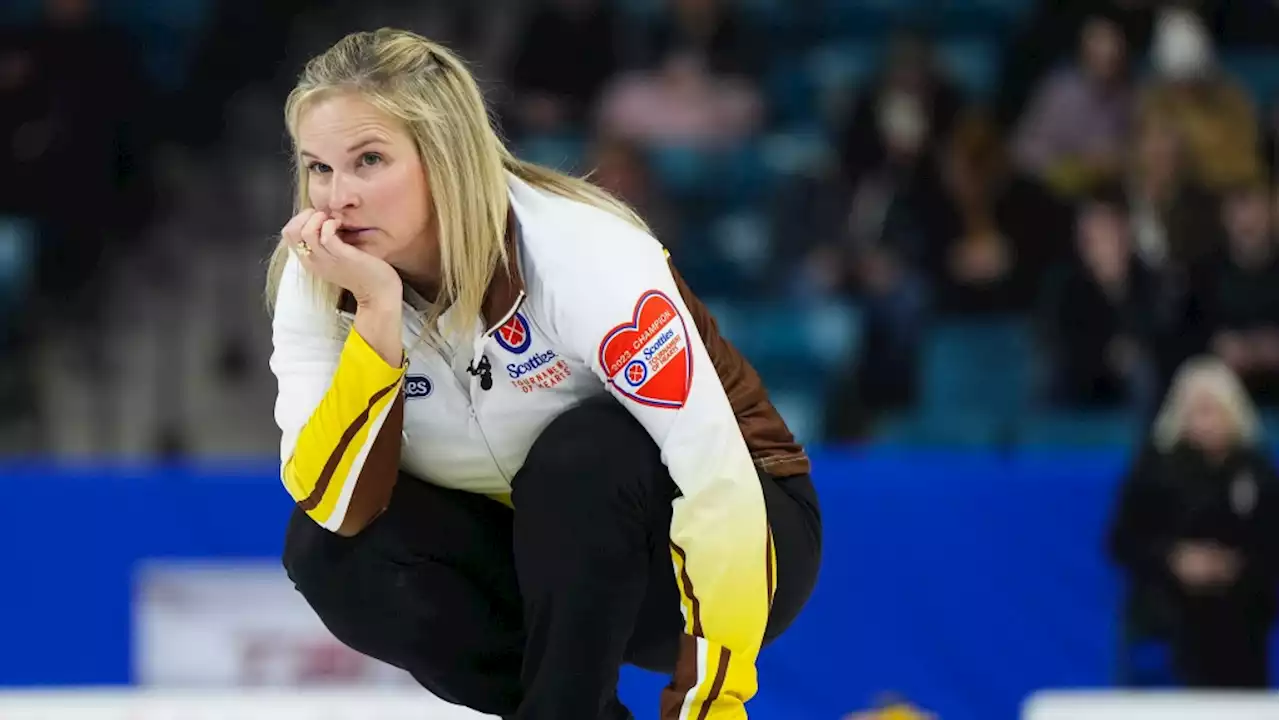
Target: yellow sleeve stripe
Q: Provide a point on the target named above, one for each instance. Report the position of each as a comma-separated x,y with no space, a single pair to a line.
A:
337,437
331,504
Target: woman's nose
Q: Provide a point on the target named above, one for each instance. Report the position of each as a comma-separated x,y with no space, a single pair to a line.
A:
342,193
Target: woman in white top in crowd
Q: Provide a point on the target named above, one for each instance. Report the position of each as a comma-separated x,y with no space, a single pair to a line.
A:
1196,533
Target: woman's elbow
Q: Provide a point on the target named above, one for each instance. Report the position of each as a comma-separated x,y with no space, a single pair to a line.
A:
369,499
352,526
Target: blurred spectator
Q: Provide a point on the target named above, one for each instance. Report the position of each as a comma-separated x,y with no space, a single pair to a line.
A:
1052,35
1098,317
999,231
681,103
1073,133
889,153
1175,227
1195,531
622,168
1175,223
89,113
565,55
1239,294
896,301
1269,125
1213,116
711,29
901,117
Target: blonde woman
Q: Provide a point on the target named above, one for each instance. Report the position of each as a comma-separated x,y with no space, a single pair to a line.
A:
1196,532
520,451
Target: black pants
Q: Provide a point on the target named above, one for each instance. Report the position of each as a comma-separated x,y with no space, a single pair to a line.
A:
531,614
1222,642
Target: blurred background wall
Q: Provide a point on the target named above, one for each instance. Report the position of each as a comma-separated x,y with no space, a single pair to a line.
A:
990,229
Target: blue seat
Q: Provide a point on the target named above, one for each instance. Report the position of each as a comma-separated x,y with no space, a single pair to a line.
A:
790,91
643,9
834,331
19,11
989,17
801,410
800,150
174,14
17,262
1080,429
741,240
842,66
1257,71
166,32
955,429
784,339
778,25
1267,417
1015,8
837,71
682,171
562,152
977,366
972,62
744,178
869,18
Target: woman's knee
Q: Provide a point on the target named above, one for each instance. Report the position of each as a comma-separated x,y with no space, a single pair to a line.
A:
797,536
589,449
311,553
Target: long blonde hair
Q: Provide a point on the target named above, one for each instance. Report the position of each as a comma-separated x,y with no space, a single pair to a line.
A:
430,90
1213,375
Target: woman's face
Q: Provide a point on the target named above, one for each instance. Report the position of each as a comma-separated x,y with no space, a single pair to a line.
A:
1207,424
1102,239
363,170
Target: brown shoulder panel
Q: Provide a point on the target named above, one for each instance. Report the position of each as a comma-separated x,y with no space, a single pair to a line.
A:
773,447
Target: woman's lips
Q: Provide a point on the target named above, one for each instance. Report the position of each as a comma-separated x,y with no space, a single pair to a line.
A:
352,235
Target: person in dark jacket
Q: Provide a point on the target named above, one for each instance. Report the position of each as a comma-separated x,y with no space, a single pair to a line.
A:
1195,532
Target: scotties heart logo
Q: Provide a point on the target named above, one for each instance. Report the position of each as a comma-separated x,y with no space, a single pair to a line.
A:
647,358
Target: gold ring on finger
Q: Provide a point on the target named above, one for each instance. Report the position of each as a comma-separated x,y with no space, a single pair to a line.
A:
303,247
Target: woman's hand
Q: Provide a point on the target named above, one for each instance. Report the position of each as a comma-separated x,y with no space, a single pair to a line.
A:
312,235
1204,565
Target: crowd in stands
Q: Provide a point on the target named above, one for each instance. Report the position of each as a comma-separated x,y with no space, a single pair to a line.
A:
921,219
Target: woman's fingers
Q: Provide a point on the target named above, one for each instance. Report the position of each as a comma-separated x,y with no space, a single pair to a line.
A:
293,229
303,241
311,230
329,234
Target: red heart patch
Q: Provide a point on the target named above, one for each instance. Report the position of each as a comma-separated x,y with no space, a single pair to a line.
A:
648,358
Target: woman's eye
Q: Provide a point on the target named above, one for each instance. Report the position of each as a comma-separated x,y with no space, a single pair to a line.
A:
318,167
369,159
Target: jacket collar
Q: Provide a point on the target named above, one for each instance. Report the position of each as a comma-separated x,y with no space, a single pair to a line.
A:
506,289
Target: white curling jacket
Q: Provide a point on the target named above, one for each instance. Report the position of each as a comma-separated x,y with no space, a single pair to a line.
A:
588,304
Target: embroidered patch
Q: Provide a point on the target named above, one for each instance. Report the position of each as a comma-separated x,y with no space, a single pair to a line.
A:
544,378
648,358
417,386
514,335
